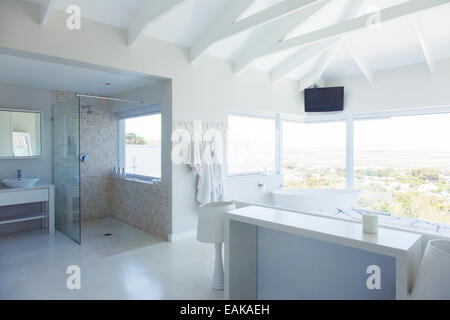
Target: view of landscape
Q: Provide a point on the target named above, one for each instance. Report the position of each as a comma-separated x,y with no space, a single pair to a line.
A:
143,146
402,164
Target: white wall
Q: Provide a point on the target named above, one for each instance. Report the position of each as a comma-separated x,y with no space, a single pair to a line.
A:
25,98
207,90
399,88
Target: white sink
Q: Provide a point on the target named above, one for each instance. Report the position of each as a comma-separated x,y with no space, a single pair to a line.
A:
20,183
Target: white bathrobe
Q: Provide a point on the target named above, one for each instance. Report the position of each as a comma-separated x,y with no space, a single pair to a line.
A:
210,178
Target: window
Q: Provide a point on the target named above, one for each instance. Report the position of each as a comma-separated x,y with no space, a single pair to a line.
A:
399,160
142,146
402,164
314,155
251,145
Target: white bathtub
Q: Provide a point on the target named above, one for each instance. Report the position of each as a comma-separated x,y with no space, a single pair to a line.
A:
312,201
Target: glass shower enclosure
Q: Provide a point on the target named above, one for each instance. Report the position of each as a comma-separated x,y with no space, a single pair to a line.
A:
66,167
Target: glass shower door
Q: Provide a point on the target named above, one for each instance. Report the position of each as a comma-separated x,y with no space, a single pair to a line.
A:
66,167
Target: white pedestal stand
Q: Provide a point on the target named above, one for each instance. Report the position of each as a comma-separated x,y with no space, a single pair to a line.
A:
218,280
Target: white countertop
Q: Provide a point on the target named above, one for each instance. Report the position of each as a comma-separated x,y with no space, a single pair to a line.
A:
39,185
387,241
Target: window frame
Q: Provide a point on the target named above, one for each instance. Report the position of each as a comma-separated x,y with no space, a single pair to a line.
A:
350,120
138,113
277,151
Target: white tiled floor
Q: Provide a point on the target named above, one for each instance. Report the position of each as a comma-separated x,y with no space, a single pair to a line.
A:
130,264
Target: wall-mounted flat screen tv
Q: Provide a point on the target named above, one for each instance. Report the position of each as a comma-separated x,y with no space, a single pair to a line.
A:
324,99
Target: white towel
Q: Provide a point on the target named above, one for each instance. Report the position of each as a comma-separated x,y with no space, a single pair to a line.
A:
210,178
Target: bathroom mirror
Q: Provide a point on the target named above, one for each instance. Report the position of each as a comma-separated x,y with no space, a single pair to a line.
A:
20,134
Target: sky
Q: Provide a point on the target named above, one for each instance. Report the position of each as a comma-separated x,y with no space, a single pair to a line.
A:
428,131
148,127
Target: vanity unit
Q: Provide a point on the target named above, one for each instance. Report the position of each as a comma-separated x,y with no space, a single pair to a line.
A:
21,139
40,193
276,254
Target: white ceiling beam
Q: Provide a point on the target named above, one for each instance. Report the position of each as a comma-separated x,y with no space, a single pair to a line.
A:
228,17
227,26
362,64
46,7
307,53
315,76
277,31
296,61
423,43
391,13
268,15
152,10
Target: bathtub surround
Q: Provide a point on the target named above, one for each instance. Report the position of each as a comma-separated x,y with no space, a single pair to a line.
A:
316,200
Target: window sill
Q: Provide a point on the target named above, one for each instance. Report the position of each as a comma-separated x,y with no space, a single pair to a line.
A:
398,223
422,227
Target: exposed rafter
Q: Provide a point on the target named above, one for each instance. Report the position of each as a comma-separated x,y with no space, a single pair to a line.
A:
315,76
222,23
227,26
423,43
277,31
153,10
391,13
316,49
366,70
294,62
46,7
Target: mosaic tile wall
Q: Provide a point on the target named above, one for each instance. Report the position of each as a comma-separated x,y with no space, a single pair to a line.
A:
99,138
144,206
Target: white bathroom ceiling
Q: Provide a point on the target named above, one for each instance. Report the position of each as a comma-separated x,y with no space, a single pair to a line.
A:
395,44
28,72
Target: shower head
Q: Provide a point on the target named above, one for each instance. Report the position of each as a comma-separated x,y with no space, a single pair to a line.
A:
88,107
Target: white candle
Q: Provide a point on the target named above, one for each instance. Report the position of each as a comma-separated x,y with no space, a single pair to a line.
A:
370,223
